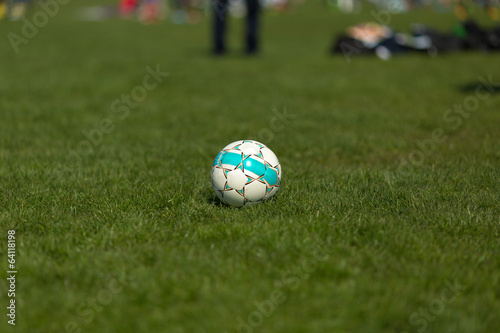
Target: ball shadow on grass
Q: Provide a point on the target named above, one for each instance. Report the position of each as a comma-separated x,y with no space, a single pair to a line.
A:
212,199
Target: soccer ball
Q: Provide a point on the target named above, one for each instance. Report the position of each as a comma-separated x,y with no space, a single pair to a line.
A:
245,172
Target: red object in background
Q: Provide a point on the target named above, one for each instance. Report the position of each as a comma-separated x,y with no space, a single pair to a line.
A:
128,7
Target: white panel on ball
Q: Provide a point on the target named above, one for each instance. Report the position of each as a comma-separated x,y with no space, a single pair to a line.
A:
233,198
236,179
255,191
233,144
249,148
218,178
269,157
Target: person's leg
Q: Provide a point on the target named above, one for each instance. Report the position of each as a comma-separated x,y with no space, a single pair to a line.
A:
220,11
252,28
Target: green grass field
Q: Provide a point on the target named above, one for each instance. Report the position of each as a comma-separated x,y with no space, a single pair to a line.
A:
122,232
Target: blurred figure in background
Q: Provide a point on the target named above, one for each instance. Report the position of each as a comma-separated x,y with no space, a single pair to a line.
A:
148,11
221,8
152,11
128,7
3,9
13,9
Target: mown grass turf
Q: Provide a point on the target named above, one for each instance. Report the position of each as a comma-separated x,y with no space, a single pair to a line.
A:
130,237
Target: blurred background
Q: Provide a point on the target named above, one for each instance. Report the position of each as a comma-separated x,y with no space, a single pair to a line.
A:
360,90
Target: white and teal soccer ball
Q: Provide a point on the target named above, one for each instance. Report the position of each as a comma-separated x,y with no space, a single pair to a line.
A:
246,172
